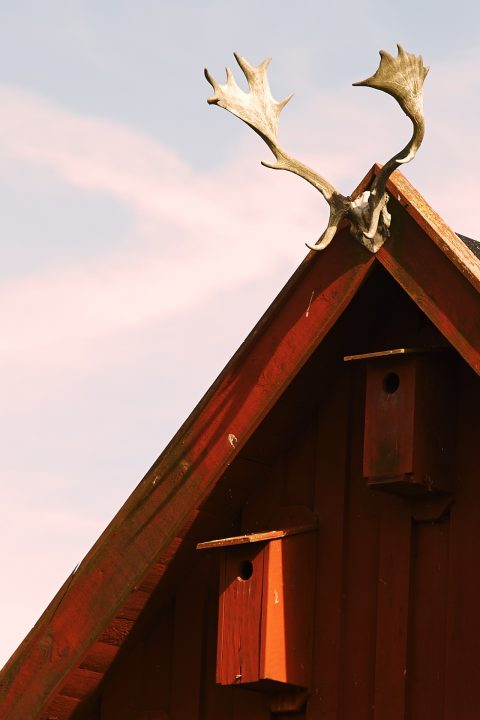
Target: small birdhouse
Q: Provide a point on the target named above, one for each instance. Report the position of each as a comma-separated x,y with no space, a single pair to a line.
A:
408,438
266,608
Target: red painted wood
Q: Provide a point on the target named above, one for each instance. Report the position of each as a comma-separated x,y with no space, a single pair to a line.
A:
81,683
360,574
186,472
434,227
240,614
116,632
133,606
392,610
377,614
389,418
329,478
462,699
61,708
189,628
217,700
425,692
121,696
100,657
249,705
139,684
287,610
355,620
447,296
157,679
295,469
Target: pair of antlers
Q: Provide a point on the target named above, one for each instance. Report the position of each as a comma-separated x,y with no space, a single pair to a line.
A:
401,76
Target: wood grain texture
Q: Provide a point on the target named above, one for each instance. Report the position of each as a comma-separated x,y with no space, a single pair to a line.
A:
188,648
360,573
392,610
139,683
287,610
329,478
240,615
425,691
462,699
446,290
93,614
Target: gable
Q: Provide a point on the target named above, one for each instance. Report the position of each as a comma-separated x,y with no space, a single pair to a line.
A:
295,457
434,269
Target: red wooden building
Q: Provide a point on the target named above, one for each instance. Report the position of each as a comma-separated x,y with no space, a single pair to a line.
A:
307,546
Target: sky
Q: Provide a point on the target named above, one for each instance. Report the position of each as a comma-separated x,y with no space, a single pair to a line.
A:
141,239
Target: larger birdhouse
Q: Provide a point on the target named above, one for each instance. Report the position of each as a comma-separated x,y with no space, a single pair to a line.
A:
265,608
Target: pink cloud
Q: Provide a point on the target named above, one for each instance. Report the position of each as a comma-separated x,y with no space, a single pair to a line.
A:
192,235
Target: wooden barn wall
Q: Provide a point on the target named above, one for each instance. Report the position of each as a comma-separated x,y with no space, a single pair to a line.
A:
396,626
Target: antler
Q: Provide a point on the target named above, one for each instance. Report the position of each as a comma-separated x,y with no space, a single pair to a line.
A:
258,109
403,78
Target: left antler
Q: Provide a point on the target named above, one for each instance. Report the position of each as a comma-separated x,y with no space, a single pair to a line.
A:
401,77
258,109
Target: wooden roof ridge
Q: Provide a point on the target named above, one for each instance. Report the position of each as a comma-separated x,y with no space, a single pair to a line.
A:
430,221
66,654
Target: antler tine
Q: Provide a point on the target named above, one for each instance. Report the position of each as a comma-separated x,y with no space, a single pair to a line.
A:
403,78
261,112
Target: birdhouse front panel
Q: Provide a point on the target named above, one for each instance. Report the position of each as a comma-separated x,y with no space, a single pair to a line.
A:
240,614
389,418
408,412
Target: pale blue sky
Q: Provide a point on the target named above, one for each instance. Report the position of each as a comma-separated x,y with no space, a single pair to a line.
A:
141,239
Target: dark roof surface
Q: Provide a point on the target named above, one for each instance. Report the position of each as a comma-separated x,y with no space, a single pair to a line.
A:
474,245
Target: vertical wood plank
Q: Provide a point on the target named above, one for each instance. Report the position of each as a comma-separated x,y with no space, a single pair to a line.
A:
187,659
299,467
122,692
462,696
217,700
240,614
426,634
157,665
360,572
331,453
249,705
139,684
392,610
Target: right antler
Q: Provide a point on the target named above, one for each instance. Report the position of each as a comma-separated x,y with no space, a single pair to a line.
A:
258,109
402,77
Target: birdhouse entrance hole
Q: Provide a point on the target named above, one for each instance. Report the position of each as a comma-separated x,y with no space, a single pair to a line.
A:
391,383
245,570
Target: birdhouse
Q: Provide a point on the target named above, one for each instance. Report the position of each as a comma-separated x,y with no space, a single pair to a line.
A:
408,438
265,608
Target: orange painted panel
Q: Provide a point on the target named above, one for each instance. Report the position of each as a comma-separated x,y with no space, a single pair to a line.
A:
288,606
